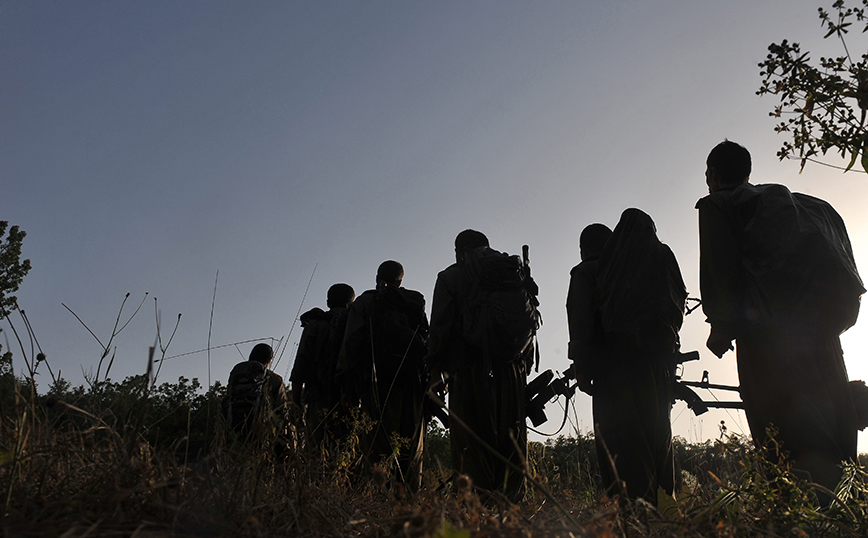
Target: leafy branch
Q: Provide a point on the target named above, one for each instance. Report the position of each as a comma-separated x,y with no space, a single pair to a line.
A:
820,102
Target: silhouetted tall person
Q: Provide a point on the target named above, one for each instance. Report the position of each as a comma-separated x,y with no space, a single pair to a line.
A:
778,277
623,351
486,383
586,331
314,371
382,366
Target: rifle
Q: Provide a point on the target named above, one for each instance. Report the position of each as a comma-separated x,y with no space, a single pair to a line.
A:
432,408
529,283
544,388
531,288
681,389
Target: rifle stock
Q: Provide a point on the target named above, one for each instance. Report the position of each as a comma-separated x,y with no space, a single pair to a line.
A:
681,389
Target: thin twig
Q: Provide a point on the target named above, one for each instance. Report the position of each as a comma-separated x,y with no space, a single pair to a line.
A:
41,353
162,358
815,161
134,313
31,368
112,337
84,325
211,326
300,306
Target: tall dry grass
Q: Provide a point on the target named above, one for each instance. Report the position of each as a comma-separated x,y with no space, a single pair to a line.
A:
130,459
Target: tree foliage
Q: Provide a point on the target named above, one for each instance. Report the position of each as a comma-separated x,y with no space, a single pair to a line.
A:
822,106
12,268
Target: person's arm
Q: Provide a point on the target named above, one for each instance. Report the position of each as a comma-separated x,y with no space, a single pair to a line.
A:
353,370
305,358
299,375
720,275
444,306
581,317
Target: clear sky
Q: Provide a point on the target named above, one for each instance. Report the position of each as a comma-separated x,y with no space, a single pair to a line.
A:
145,146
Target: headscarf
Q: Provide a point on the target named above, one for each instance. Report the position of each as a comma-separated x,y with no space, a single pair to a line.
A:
641,289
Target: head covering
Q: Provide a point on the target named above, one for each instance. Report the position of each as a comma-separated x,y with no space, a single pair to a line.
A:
470,239
641,290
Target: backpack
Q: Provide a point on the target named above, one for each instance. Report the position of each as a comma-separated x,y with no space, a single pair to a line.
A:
500,315
399,330
325,369
327,331
244,396
798,260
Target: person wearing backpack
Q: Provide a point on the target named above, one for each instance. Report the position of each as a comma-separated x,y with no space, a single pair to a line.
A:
626,307
777,275
255,405
483,321
314,388
381,369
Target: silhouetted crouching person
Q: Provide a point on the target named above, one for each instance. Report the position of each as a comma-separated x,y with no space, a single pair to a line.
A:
314,387
255,405
486,381
777,275
625,328
381,366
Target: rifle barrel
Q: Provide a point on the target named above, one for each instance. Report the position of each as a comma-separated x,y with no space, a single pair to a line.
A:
725,405
702,385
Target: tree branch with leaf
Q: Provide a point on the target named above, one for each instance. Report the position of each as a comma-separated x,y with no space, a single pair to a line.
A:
822,106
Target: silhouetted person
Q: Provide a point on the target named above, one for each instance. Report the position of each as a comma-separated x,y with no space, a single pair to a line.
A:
624,329
778,277
382,367
486,383
255,406
314,387
586,331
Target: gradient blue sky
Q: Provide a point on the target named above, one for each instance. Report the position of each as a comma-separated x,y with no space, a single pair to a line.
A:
145,146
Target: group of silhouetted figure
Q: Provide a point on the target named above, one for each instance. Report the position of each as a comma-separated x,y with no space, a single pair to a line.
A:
777,277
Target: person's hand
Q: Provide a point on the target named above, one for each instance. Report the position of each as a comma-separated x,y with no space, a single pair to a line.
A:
584,384
719,344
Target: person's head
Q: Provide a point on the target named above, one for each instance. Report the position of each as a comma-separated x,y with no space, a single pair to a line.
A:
593,239
635,221
261,353
340,296
390,273
468,240
728,165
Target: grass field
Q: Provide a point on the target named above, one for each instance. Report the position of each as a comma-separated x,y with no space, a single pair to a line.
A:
128,459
